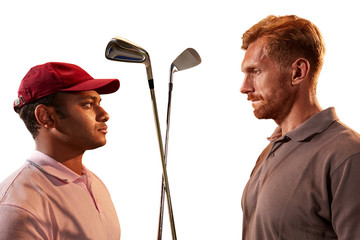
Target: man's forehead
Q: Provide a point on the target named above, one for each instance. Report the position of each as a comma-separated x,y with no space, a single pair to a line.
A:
255,54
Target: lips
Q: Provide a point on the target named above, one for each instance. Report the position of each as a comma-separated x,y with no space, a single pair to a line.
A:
255,100
103,129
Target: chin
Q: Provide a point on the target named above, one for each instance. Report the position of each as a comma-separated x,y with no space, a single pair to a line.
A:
96,145
103,143
261,114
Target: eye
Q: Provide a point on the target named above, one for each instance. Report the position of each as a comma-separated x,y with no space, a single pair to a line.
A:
88,105
256,71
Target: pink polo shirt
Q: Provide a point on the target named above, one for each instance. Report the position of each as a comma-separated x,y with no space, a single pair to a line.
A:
46,200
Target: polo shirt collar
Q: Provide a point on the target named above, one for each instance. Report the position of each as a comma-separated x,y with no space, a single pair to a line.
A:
50,166
314,125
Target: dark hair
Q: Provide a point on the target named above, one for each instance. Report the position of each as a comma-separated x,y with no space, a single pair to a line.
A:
27,112
288,38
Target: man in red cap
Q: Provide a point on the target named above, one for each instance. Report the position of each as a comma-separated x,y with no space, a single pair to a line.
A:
53,196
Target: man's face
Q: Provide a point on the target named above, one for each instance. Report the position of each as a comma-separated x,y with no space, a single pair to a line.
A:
84,126
267,86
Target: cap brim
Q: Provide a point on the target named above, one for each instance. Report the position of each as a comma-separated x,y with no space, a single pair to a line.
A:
102,86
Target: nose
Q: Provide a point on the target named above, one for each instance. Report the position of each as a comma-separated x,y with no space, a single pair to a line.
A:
102,115
247,86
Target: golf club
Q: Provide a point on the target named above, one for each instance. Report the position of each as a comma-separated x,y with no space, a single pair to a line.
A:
187,59
120,49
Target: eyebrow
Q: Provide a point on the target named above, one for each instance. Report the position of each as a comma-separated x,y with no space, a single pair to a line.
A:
92,97
248,67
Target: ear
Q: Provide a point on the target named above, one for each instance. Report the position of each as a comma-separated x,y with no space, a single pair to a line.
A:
43,115
300,71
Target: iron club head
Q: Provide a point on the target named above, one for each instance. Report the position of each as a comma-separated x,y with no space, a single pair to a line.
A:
121,49
187,59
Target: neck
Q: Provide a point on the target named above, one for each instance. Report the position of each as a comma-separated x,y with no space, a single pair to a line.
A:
68,157
300,111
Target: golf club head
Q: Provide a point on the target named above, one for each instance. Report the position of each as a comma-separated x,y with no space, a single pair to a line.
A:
187,59
121,49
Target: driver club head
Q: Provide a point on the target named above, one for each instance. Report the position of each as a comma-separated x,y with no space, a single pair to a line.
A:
187,59
121,49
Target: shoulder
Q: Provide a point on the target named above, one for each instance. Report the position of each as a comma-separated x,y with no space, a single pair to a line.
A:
345,132
340,145
12,180
343,139
23,188
18,199
338,139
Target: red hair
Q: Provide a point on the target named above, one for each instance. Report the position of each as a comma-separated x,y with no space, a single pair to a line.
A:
289,38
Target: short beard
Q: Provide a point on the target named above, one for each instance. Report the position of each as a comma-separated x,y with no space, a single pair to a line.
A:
274,106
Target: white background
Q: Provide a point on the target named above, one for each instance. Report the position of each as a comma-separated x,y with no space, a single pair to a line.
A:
214,137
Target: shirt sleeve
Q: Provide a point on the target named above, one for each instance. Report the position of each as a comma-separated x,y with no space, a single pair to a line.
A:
345,205
17,223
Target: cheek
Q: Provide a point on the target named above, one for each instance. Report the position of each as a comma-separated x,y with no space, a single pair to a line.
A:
79,123
263,87
85,124
269,84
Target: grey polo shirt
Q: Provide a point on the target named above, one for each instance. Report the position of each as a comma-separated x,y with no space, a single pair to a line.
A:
306,184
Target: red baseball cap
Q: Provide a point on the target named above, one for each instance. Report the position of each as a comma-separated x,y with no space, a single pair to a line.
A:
52,77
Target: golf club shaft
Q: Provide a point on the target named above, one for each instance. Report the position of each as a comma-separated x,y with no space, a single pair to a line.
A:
120,49
165,177
161,211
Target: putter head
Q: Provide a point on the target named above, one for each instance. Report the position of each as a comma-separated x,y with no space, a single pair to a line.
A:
120,49
187,59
